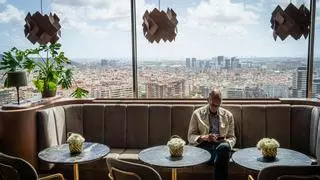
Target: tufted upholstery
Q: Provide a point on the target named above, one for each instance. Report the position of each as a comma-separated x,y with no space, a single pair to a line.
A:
132,127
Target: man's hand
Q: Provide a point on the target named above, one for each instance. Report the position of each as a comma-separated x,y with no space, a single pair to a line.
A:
212,138
220,139
208,137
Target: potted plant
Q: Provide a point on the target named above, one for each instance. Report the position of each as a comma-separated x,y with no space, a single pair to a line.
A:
14,61
51,71
176,146
268,147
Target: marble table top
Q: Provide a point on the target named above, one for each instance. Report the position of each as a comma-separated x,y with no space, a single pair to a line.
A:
251,158
61,155
160,156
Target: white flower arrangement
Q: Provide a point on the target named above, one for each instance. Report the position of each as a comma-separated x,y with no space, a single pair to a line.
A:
176,146
268,143
176,143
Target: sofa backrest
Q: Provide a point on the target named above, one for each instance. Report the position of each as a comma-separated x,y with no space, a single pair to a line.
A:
144,125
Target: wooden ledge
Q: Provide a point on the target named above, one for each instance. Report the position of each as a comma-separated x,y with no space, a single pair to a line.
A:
43,101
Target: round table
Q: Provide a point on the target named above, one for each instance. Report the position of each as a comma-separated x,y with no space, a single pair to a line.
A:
61,155
160,156
251,158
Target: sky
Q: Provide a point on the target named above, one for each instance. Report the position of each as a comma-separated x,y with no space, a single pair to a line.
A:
95,29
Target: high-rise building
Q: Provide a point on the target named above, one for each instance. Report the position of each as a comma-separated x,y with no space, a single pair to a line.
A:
106,62
235,63
188,62
155,90
194,63
220,60
121,91
201,66
178,88
227,64
299,83
172,89
316,87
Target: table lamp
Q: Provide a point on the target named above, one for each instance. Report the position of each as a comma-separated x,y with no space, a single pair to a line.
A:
17,79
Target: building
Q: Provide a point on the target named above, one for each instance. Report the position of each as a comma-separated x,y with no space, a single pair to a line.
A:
188,63
235,63
194,62
254,92
227,64
5,96
220,60
233,93
121,91
155,90
205,90
105,62
276,90
299,83
171,89
316,87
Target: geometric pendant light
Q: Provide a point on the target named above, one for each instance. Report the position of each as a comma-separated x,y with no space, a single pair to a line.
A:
159,25
291,21
42,28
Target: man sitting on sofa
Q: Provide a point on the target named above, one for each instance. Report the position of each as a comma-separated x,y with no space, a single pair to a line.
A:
212,128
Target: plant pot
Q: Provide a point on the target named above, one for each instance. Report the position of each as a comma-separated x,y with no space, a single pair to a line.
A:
48,93
176,146
269,153
75,142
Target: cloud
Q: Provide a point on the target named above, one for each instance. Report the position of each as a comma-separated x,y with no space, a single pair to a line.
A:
84,3
2,1
5,34
96,16
10,14
257,7
285,3
222,17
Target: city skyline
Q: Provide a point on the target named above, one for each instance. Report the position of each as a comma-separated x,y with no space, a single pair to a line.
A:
191,78
101,28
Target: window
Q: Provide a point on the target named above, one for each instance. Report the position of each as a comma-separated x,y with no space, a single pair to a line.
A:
96,36
12,16
316,63
226,44
220,43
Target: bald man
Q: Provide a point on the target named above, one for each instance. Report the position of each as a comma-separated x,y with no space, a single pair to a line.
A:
212,128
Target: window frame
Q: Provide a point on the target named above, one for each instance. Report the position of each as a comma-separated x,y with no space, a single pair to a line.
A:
310,60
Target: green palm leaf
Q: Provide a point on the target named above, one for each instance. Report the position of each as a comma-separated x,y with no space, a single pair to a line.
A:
79,93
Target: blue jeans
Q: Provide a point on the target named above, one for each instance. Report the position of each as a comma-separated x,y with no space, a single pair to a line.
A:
220,155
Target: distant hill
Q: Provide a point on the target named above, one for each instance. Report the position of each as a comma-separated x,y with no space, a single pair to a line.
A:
1,56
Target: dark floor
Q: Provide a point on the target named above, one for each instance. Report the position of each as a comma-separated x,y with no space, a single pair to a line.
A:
99,174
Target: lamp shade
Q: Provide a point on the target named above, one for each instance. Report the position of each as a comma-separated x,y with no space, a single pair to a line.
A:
16,79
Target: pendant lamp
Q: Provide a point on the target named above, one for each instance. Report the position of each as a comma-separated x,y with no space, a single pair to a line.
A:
291,21
159,25
42,28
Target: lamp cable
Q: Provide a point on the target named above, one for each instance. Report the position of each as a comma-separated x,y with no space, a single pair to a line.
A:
41,6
